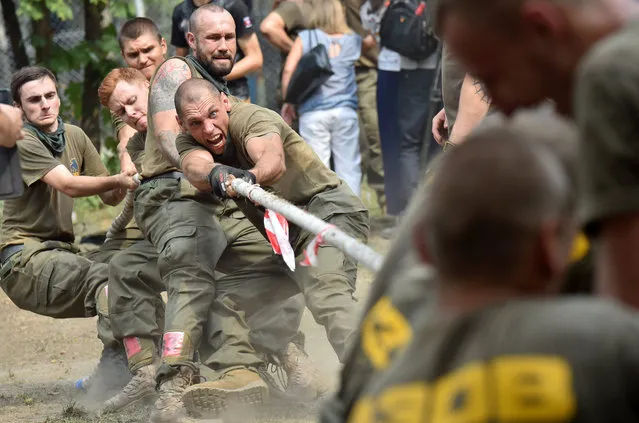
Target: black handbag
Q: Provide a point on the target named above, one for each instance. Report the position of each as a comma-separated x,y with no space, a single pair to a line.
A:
313,70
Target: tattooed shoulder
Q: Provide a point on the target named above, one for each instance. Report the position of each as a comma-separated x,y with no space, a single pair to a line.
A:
165,84
480,90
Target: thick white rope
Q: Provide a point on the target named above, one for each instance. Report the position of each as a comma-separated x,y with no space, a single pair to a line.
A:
356,250
125,216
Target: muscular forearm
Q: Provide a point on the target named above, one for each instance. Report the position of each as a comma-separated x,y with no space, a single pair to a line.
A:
269,169
197,172
473,106
124,135
84,186
113,197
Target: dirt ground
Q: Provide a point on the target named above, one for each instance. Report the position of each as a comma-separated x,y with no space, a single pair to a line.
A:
40,358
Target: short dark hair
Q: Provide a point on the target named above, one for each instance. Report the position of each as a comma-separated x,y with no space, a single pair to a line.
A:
28,74
134,28
192,90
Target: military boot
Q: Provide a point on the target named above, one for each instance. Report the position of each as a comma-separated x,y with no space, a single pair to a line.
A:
168,407
240,386
141,386
303,376
110,375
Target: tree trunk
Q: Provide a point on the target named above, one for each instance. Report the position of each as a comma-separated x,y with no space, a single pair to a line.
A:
14,33
90,121
42,38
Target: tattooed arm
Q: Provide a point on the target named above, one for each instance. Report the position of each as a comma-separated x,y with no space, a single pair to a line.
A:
473,106
162,106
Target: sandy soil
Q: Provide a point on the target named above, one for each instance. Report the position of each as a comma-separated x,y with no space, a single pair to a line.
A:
40,358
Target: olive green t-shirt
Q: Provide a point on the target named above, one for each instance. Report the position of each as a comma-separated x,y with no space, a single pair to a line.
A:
117,123
606,108
556,360
305,174
135,148
43,213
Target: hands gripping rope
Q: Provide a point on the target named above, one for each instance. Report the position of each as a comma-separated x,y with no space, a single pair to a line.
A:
330,234
325,232
125,216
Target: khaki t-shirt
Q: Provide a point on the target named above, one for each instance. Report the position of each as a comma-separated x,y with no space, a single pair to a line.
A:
42,213
305,174
606,107
557,360
135,148
117,123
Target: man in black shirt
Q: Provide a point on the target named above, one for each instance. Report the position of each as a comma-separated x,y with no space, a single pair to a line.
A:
249,55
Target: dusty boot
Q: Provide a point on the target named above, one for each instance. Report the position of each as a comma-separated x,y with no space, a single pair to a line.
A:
168,407
141,386
303,376
240,386
110,375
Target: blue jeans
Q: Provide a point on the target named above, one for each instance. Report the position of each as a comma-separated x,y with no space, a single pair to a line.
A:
335,132
413,109
387,115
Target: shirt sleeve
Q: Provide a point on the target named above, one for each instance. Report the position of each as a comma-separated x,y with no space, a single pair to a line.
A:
606,109
92,164
353,18
185,144
254,124
178,38
135,148
117,124
242,18
35,159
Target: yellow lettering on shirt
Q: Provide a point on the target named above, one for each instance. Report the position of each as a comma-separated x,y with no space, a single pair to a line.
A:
533,388
517,388
461,396
385,332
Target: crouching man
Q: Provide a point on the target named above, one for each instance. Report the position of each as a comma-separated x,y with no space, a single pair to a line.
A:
227,137
40,268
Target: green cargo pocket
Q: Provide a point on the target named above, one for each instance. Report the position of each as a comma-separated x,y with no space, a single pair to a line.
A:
44,284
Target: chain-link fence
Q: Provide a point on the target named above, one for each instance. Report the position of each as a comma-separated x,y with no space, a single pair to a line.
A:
71,32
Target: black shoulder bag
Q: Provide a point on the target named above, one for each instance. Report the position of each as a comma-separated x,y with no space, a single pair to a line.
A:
313,70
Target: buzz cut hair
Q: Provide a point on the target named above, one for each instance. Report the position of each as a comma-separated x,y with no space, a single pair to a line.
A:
195,16
193,90
136,27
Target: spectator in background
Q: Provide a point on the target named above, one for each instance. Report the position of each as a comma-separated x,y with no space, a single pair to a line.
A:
403,102
388,67
10,125
328,118
366,77
282,25
249,54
